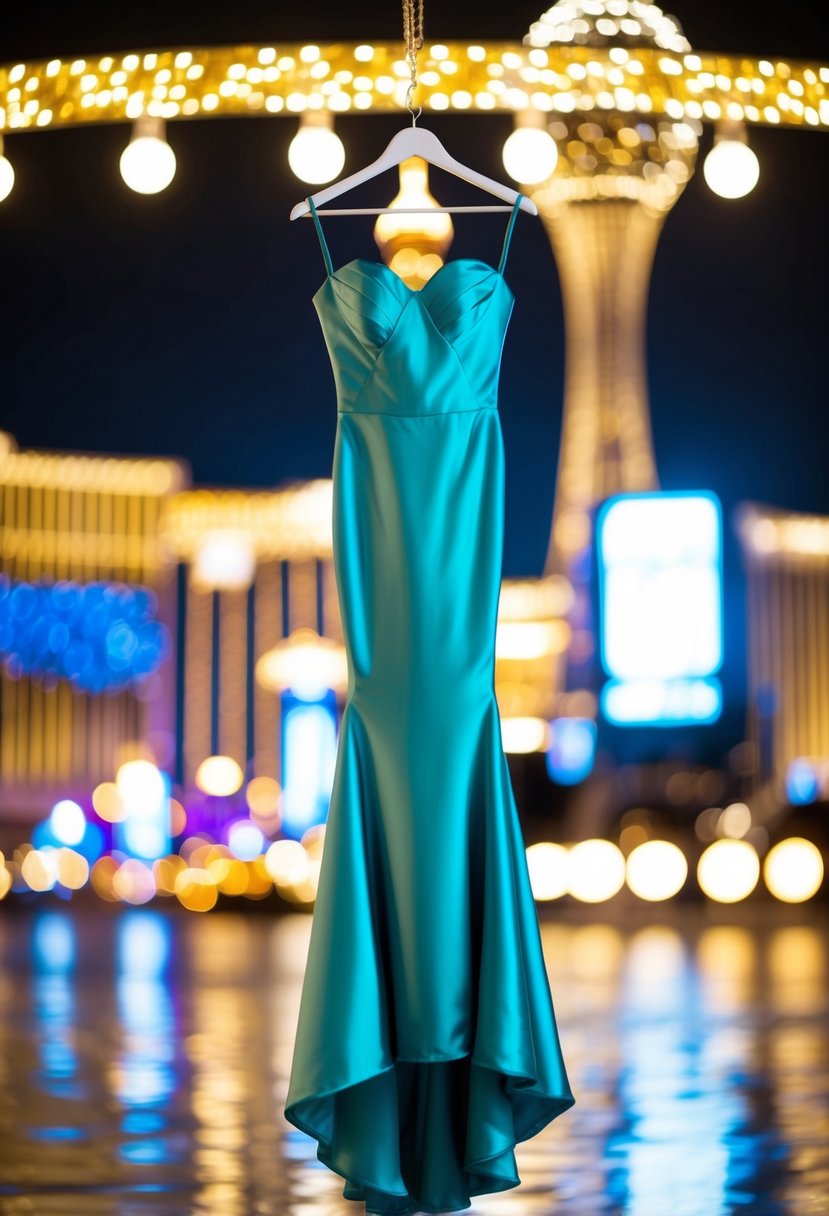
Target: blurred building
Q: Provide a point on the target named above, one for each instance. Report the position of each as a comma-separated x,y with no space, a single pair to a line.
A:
87,619
786,557
258,568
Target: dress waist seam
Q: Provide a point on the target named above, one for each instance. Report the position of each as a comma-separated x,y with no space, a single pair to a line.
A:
475,409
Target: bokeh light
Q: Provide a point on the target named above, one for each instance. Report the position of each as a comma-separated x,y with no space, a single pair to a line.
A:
67,822
220,776
596,870
656,870
547,864
728,870
793,870
245,839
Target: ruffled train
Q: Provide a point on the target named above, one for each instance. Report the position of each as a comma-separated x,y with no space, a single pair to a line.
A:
424,1130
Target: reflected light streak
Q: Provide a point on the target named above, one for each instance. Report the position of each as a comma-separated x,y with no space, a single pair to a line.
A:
54,1007
144,1075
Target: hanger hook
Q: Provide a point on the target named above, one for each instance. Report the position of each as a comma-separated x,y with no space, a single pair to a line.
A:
409,106
413,37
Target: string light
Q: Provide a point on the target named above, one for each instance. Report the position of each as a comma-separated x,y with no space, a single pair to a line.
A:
530,153
6,174
731,169
148,163
316,153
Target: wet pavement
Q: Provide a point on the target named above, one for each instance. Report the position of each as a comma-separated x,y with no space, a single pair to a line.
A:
144,1056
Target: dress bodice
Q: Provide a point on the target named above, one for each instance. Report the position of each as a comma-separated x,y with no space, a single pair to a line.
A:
398,351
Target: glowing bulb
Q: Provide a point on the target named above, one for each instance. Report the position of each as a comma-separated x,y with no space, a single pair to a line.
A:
148,163
316,153
530,155
414,192
6,174
731,169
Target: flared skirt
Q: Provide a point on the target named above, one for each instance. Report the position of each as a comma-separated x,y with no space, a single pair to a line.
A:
427,1045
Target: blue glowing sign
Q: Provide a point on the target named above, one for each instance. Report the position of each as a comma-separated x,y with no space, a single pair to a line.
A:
309,749
660,586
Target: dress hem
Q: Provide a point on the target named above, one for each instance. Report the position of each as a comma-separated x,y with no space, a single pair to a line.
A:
559,1104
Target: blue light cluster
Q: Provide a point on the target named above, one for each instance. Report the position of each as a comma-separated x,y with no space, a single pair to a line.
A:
102,637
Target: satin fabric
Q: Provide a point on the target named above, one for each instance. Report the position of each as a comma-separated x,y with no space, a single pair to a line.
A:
426,1044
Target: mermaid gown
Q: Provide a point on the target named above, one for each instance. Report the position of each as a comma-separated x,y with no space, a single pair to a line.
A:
426,1044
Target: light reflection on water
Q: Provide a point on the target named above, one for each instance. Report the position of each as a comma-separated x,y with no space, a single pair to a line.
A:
144,1059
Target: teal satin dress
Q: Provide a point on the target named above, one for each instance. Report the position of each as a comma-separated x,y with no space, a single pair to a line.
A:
426,1045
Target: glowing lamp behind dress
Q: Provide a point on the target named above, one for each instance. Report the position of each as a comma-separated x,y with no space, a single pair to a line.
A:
414,243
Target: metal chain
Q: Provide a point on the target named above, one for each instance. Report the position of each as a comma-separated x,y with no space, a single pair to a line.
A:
413,37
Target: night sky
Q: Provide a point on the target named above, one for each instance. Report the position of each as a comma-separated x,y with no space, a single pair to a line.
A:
182,324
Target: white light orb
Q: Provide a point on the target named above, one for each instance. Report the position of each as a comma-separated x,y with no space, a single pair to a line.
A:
316,154
287,863
306,663
245,839
596,871
530,155
793,870
225,560
520,736
656,870
547,864
148,164
731,169
728,870
67,822
6,178
140,784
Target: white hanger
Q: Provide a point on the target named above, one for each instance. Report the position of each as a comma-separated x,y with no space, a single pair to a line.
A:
413,141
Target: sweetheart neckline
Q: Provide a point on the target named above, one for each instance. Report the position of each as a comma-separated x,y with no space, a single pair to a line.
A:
415,291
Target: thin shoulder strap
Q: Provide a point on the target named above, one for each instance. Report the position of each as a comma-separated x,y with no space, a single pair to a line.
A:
328,263
508,234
